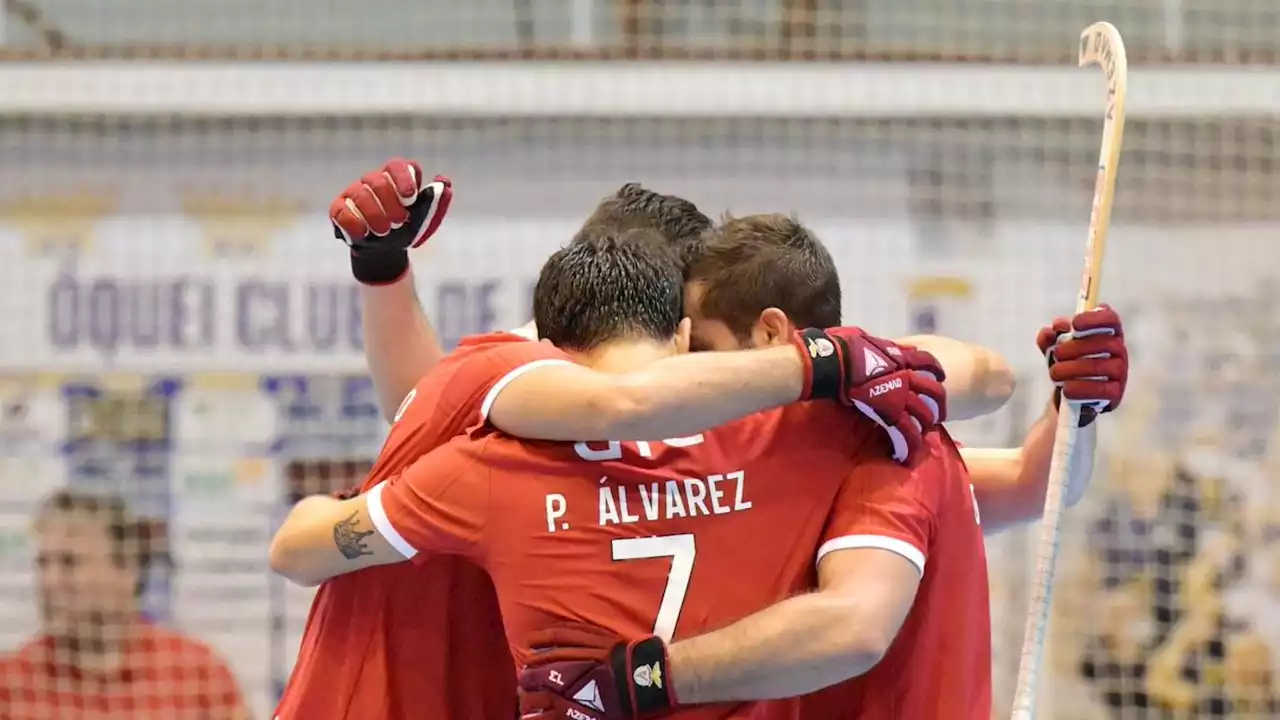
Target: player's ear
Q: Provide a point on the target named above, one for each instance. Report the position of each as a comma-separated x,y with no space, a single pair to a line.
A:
773,327
683,332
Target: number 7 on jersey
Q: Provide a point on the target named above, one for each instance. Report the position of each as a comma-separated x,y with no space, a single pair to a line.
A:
681,549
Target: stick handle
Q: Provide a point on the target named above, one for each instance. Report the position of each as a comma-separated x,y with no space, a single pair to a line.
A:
1100,44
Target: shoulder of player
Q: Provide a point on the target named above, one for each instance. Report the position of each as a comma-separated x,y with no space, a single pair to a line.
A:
170,647
471,370
941,477
31,653
473,346
944,451
826,423
491,455
825,413
495,449
498,337
811,433
503,355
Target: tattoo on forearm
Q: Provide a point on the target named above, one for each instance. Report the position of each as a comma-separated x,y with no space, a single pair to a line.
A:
349,540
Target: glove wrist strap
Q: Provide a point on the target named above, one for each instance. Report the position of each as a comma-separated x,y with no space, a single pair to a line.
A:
642,668
1087,413
379,267
825,368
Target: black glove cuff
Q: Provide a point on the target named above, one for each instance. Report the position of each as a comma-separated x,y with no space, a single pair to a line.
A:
827,363
1087,413
379,267
641,670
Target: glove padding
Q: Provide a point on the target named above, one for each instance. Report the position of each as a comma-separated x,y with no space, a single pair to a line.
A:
384,214
1088,360
897,386
582,672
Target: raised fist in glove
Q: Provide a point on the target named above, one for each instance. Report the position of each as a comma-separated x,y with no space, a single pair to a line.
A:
581,672
897,386
384,214
1088,360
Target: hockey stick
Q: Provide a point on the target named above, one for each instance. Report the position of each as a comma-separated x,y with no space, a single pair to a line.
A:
1100,45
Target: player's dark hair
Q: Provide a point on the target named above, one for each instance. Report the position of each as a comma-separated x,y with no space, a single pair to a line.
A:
751,263
605,286
134,543
634,207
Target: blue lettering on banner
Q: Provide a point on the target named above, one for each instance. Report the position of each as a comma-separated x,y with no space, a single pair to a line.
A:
323,415
313,317
107,314
184,314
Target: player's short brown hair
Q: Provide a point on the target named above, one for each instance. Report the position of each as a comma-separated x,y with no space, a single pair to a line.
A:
605,286
635,207
134,543
755,262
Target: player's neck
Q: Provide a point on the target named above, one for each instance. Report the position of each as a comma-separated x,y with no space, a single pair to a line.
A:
625,355
97,649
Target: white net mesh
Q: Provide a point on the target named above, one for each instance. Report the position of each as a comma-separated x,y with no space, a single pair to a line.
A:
181,329
1003,30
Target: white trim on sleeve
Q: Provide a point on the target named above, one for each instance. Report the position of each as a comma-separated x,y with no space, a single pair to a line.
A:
506,379
382,523
880,542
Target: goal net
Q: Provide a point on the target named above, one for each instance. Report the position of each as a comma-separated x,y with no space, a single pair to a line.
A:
181,329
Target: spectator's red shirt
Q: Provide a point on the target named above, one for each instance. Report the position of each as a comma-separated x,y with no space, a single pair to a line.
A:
164,675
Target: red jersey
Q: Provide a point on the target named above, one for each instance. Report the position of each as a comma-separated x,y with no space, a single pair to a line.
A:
939,665
674,538
163,675
404,642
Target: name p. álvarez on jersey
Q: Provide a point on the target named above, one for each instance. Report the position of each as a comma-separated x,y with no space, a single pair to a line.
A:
618,503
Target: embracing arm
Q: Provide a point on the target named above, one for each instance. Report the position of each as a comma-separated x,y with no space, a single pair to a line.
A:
400,346
979,381
439,504
869,569
324,537
1010,484
673,397
807,642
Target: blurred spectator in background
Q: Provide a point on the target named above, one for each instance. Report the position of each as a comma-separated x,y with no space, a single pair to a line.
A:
95,657
1168,643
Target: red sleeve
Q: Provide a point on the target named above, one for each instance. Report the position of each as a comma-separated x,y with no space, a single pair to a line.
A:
458,392
502,365
882,505
448,401
439,504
